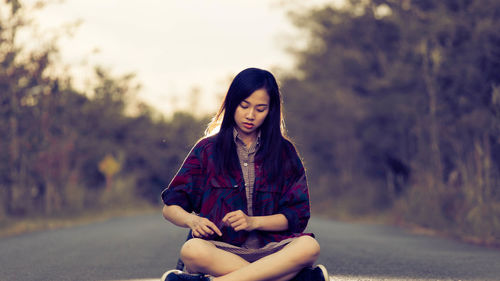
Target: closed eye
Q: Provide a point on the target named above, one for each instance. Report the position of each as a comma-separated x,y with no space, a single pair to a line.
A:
244,104
261,108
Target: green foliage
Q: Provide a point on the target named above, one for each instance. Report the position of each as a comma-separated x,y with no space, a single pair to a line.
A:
54,137
394,104
402,100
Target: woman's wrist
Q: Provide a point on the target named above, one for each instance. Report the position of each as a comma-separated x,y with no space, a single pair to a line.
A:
190,220
255,222
276,222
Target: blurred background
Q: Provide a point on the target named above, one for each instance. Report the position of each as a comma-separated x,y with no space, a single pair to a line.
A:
394,105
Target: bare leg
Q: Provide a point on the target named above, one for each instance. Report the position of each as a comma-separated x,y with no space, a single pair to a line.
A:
200,256
282,265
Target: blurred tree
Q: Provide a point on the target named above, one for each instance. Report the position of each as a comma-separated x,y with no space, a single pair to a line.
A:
23,83
54,137
401,93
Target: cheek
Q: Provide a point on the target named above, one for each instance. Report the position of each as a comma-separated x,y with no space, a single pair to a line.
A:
237,115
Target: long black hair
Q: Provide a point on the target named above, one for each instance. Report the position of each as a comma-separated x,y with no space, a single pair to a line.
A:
273,136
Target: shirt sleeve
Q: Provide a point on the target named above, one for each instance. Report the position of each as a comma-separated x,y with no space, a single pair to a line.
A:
294,203
184,189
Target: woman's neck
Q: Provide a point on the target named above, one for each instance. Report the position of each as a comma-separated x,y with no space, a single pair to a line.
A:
248,139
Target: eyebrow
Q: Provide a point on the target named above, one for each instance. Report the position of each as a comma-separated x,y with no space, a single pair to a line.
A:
262,104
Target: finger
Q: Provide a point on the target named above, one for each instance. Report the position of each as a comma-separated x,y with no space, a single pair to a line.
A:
213,227
200,232
241,226
236,216
227,217
237,213
229,220
207,229
237,223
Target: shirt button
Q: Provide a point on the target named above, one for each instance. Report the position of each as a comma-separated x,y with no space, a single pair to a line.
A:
245,164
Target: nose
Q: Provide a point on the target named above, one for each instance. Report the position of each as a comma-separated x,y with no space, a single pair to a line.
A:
250,114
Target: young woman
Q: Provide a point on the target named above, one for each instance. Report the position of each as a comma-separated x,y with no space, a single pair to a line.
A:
243,193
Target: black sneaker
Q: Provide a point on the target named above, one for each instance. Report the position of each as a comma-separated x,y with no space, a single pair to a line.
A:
316,273
177,275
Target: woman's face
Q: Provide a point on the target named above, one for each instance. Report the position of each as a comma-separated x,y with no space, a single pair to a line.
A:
251,113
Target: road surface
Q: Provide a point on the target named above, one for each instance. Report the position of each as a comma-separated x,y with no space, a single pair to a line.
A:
143,247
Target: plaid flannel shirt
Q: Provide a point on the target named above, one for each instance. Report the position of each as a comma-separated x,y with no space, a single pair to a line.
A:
198,188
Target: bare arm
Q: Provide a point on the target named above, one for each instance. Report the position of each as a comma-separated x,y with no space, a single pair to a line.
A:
199,226
238,220
276,222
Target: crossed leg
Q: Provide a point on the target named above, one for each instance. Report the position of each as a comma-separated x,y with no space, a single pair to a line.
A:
202,256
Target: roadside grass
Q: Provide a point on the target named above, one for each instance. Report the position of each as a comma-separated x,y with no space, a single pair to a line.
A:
13,226
393,217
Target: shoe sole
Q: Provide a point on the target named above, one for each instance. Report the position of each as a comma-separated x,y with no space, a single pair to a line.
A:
164,276
324,271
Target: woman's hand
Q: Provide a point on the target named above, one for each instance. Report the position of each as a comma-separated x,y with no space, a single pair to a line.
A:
202,227
238,220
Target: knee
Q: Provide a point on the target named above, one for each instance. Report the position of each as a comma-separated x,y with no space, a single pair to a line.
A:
310,250
194,251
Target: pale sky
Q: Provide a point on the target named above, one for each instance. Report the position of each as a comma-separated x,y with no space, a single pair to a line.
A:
174,46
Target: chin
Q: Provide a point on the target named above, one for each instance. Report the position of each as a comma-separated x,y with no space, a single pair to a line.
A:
247,131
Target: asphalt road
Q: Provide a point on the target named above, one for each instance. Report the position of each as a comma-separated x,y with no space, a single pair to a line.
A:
143,247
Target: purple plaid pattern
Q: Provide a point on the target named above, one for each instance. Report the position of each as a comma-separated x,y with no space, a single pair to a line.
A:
198,188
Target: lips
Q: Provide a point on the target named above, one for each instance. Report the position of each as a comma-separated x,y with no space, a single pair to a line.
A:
248,125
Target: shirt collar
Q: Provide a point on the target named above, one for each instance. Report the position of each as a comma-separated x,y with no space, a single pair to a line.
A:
237,138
